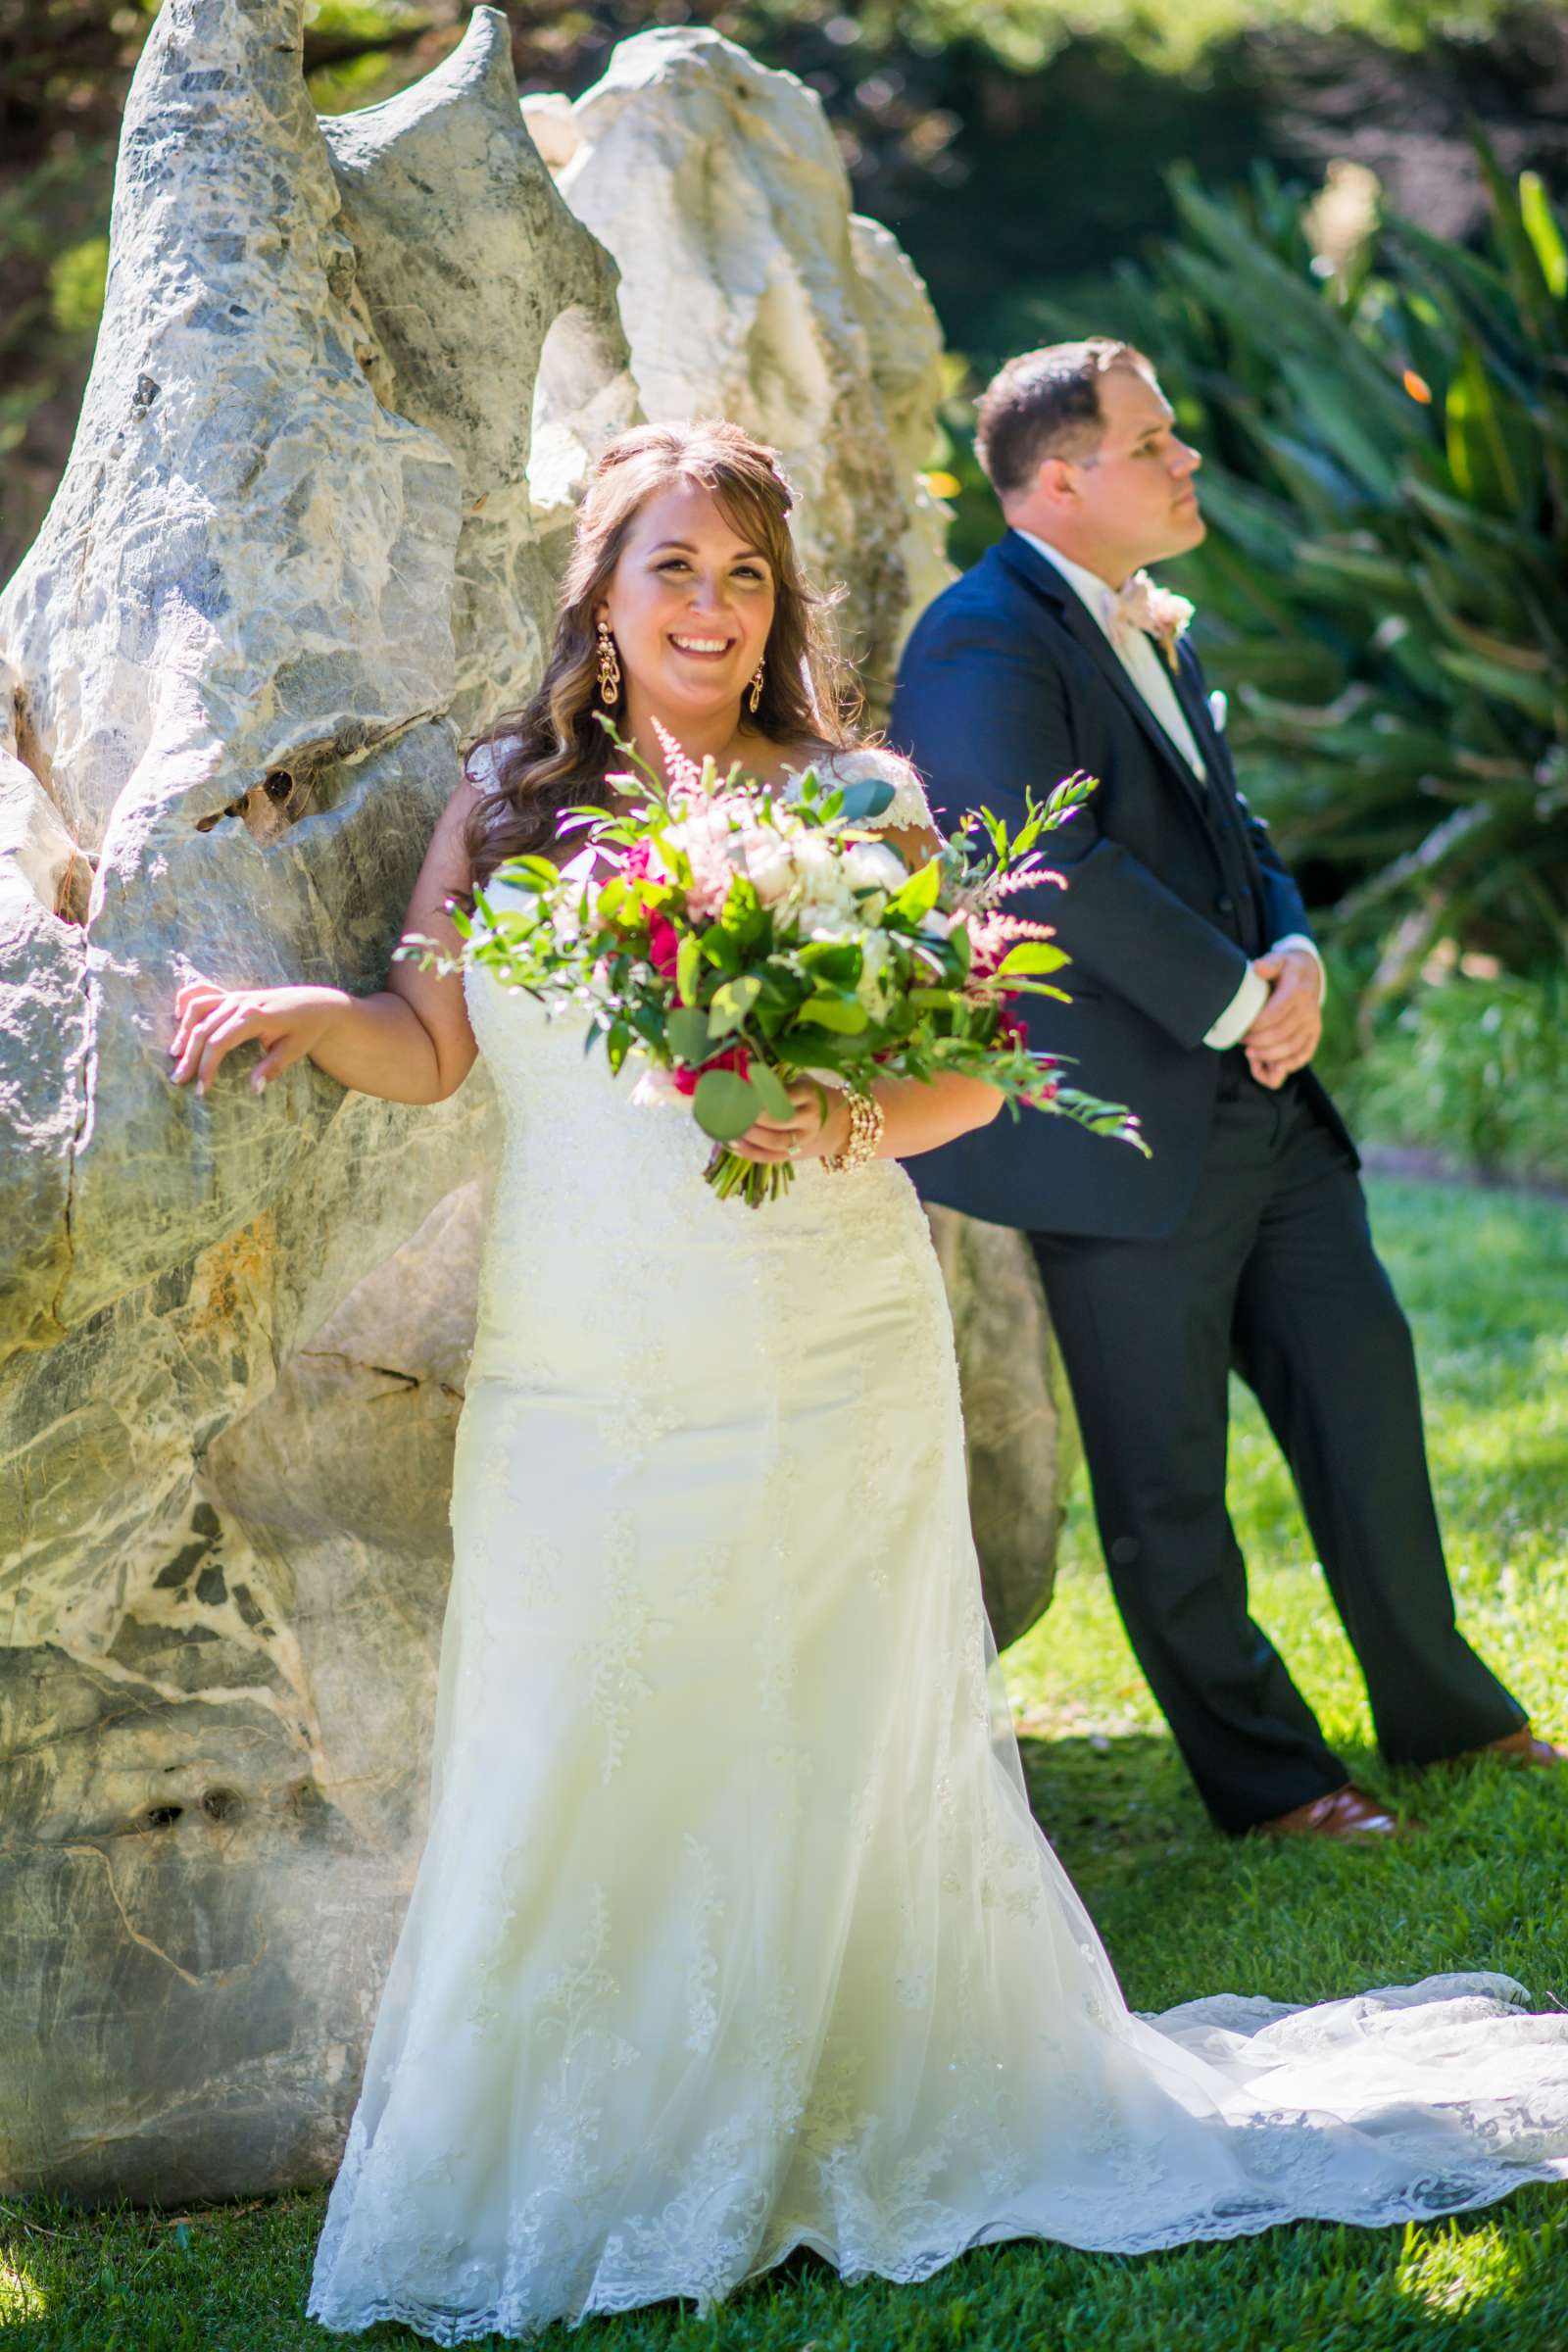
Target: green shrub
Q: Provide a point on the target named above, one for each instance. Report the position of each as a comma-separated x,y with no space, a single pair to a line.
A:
1384,591
1474,1069
77,281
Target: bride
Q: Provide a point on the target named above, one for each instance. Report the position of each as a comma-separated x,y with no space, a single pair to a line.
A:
732,1931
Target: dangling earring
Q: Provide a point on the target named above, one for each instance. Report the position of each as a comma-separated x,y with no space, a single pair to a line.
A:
753,699
609,669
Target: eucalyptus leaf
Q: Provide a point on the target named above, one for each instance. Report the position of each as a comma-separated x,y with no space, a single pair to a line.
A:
863,802
725,1105
774,1094
730,1003
688,1032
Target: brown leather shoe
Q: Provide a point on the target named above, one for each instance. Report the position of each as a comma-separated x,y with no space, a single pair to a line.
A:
1519,1747
1348,1814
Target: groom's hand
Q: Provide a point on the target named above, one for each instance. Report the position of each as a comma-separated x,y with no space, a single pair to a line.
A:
1285,1035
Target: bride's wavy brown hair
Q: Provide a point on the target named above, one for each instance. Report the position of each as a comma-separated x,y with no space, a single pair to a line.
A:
554,754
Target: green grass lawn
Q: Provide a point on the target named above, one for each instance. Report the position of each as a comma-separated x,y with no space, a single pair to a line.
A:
1183,1911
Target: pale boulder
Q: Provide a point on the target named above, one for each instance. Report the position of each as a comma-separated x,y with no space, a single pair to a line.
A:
234,1366
750,289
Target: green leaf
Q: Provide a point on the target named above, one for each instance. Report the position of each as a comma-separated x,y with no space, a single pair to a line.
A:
837,959
687,1031
1491,449
845,1015
721,947
725,1106
1541,227
1316,394
775,1094
866,802
1532,695
76,280
743,908
919,894
525,869
730,1003
689,967
1032,955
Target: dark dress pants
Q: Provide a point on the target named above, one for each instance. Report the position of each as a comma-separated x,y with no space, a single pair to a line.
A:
1272,1272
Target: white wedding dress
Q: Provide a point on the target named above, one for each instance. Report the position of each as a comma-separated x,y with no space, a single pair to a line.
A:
733,1933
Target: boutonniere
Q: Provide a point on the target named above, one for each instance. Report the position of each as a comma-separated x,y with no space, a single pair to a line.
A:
1158,612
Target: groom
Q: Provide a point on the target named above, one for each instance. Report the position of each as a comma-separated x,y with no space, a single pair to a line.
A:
1196,989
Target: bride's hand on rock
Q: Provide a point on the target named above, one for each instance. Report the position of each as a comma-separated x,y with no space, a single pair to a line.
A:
819,1127
286,1022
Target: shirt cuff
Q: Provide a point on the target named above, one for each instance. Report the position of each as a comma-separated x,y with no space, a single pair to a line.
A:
1308,947
1239,1014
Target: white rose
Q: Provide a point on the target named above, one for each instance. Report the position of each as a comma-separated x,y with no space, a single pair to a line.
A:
936,924
768,861
820,874
872,866
819,918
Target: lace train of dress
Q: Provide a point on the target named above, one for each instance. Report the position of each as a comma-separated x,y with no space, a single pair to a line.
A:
733,1931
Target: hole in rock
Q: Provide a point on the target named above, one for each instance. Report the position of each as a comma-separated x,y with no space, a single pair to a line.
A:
219,1805
162,1817
267,809
204,824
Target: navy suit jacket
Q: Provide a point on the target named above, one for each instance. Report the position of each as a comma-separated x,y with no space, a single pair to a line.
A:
1009,682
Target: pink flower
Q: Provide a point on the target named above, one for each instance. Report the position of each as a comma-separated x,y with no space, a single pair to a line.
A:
663,945
683,772
994,934
734,1057
1158,612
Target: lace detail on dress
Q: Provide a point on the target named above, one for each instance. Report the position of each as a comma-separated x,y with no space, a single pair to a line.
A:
909,805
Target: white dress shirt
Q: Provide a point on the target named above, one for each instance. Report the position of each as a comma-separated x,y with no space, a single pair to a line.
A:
1147,667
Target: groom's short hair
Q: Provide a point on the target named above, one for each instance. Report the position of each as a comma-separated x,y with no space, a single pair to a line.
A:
1045,404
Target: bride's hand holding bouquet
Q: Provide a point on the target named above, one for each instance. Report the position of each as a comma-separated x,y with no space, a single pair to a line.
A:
770,959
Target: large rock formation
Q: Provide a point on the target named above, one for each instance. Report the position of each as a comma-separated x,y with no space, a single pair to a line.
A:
289,545
749,289
347,384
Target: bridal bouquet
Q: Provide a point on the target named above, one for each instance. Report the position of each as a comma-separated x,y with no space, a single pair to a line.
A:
731,939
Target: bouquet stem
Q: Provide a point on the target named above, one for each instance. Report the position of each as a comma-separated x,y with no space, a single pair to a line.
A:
748,1179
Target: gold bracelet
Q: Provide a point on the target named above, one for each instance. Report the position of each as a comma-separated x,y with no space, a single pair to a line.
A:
867,1122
